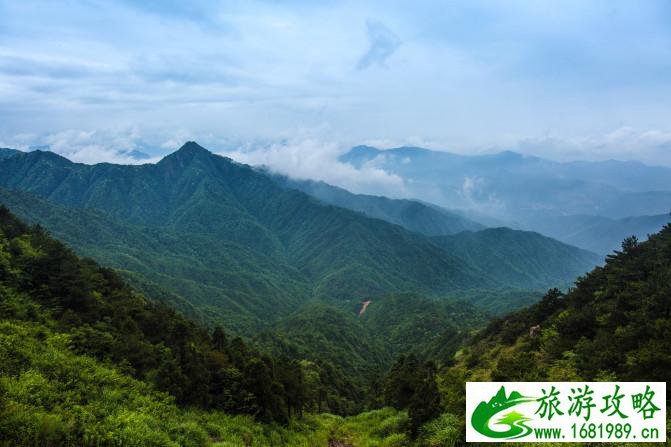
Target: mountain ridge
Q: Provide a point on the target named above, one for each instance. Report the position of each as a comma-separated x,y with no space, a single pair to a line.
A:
339,252
227,238
410,214
512,186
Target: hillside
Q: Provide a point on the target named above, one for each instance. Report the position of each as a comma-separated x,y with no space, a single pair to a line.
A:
615,323
410,214
357,349
334,343
407,322
85,360
227,245
518,258
225,237
45,285
212,282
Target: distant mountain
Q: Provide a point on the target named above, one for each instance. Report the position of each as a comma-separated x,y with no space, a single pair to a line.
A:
596,233
526,259
513,186
410,214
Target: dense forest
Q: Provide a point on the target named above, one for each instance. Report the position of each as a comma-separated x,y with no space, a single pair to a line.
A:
48,292
86,360
229,245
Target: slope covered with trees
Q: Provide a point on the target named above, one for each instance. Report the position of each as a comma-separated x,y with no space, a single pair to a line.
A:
615,323
225,244
408,323
85,360
223,236
521,259
354,350
410,214
44,285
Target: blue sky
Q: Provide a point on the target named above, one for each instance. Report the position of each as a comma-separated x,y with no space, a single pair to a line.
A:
268,80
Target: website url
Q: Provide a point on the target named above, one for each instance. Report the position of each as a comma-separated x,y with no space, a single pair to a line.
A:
598,431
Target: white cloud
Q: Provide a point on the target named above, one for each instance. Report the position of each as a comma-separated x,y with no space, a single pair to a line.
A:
318,160
80,146
248,70
652,146
478,197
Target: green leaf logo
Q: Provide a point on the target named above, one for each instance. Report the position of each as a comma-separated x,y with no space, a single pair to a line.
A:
486,411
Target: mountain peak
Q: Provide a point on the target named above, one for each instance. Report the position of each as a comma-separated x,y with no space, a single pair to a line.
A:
191,147
189,151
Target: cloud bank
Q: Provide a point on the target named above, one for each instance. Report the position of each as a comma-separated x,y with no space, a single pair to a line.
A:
316,160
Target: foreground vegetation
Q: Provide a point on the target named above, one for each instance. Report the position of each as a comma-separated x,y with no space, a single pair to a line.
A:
84,360
51,396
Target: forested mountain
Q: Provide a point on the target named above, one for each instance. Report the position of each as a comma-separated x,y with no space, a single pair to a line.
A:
207,279
225,244
514,257
615,323
6,153
348,355
85,360
597,233
226,237
356,348
46,290
513,186
73,336
407,322
410,214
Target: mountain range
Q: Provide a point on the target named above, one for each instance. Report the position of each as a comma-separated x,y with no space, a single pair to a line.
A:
592,205
85,357
230,241
513,185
